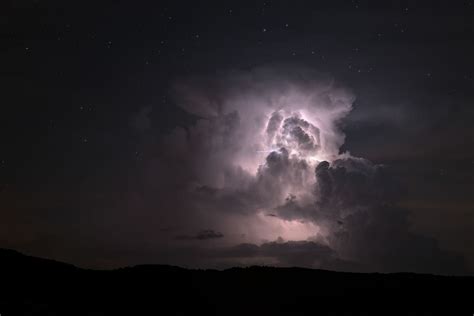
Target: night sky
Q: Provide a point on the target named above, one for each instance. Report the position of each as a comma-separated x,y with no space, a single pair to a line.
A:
144,132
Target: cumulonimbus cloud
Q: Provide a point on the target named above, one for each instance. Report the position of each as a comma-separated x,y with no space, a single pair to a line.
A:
267,141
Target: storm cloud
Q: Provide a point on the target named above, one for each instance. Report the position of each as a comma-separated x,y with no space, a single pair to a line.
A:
262,163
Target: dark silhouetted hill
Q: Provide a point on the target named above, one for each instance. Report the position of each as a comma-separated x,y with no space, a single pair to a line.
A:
35,286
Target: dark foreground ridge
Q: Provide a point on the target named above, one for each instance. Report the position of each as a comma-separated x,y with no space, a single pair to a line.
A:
35,286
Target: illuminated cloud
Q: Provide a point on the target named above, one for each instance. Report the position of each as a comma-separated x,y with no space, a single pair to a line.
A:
262,163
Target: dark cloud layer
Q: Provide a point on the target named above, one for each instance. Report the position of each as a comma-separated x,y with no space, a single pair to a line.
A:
202,235
371,228
285,253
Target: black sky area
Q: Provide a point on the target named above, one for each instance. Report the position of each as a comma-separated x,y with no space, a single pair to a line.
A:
86,96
